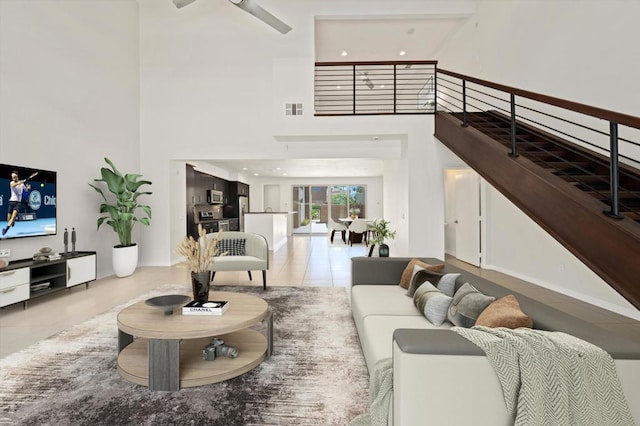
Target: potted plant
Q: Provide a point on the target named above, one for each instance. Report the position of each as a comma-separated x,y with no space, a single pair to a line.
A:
120,211
354,212
380,232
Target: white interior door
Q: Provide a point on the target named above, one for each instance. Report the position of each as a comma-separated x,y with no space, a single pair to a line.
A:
467,216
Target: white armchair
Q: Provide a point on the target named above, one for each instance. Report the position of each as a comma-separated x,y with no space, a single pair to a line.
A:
245,252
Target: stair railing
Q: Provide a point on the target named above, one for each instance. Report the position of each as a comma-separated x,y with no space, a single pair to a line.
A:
374,88
578,123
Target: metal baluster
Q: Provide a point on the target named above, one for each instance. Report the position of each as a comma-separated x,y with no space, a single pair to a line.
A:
614,172
514,150
464,104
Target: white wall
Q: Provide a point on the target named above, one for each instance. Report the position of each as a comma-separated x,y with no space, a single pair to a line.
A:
69,97
586,53
214,84
517,246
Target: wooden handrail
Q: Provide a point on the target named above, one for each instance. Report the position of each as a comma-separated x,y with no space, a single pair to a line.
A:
612,116
335,64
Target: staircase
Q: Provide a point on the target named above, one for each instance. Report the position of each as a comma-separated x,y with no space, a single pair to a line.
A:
582,168
561,186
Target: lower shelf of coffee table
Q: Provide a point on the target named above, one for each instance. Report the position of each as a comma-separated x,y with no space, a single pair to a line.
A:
133,361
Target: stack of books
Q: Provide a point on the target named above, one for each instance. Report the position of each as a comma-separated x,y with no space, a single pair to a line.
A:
210,307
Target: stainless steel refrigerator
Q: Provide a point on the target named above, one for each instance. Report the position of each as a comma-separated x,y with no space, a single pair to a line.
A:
243,206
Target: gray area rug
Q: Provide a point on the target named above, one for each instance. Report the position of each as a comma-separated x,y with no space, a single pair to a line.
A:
316,376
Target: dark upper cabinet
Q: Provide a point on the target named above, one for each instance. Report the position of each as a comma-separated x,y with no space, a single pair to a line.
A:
243,189
191,184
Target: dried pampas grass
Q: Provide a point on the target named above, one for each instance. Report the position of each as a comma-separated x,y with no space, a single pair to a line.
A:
199,255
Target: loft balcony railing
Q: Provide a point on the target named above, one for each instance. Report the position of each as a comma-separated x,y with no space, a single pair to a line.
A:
375,88
613,136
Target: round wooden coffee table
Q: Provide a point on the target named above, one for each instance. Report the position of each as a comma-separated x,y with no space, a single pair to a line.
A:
166,353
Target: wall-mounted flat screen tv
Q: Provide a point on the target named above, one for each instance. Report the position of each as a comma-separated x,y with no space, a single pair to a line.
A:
27,202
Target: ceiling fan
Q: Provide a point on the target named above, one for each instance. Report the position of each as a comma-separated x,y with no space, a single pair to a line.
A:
253,8
364,77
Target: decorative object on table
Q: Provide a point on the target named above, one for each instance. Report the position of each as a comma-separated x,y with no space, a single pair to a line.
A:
217,348
120,214
45,254
199,256
208,307
354,212
168,302
66,241
73,240
380,232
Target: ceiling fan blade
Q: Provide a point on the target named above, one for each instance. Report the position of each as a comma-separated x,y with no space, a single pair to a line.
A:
182,3
364,76
260,13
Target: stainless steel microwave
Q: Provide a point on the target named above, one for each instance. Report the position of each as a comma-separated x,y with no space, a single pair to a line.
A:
215,196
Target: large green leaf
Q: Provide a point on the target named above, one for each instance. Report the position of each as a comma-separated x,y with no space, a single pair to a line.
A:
119,212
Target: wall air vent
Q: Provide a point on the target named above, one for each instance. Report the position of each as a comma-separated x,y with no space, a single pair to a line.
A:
293,109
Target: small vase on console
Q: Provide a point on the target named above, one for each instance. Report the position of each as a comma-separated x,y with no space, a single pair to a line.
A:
200,283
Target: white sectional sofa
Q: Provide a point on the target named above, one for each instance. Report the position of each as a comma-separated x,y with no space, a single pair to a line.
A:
440,376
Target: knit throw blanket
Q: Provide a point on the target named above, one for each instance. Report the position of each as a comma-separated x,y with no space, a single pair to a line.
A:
552,378
380,396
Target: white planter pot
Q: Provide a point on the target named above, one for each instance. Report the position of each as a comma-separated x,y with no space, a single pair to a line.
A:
124,260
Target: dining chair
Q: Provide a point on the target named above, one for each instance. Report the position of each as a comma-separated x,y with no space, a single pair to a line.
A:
358,231
335,226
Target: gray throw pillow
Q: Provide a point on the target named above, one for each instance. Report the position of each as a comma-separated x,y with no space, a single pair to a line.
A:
466,306
432,303
447,283
419,276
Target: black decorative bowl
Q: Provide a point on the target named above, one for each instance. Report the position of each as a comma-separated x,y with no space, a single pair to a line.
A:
168,303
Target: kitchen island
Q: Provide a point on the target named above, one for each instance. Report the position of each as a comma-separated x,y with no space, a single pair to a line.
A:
272,225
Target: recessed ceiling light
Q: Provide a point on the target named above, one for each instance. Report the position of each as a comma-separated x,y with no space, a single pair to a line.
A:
284,174
338,87
402,53
256,174
344,53
244,168
382,86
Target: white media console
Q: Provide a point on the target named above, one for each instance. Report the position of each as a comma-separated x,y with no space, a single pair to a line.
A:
26,279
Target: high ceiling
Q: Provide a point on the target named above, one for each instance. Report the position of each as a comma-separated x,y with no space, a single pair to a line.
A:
363,38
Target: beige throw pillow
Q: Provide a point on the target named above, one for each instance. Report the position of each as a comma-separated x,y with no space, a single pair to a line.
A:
504,312
405,279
